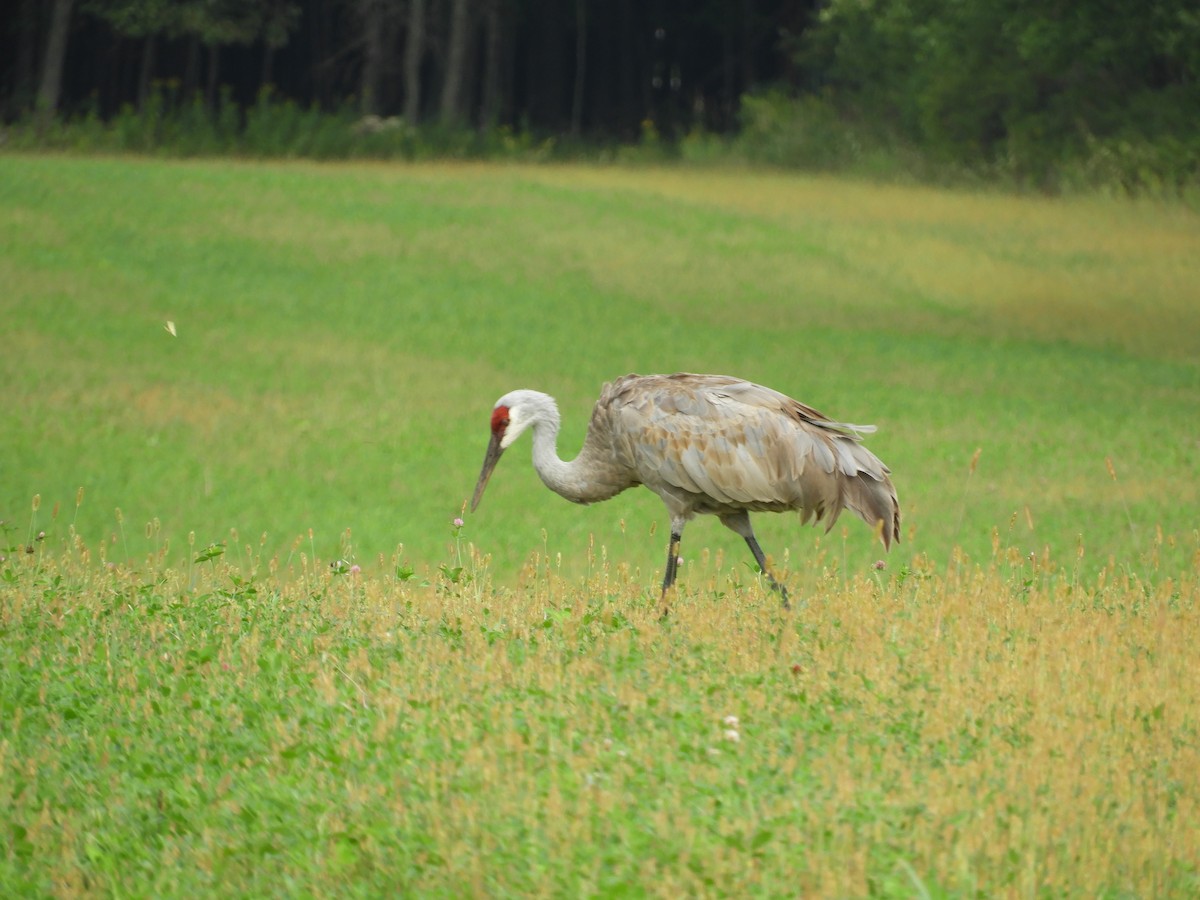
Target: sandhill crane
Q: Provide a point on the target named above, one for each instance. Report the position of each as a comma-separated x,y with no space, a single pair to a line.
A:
705,444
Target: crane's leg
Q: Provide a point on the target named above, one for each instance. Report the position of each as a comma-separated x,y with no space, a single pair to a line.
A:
740,523
672,567
672,561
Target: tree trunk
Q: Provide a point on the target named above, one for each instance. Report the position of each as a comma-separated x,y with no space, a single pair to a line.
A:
748,73
456,58
632,73
372,76
489,112
56,54
414,47
546,70
729,91
319,53
214,72
580,66
264,79
191,70
149,54
26,84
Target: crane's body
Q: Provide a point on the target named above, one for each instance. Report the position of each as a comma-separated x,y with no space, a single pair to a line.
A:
706,444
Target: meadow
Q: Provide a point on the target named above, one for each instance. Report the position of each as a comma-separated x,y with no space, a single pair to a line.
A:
245,650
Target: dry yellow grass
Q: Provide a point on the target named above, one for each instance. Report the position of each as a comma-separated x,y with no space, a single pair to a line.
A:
994,730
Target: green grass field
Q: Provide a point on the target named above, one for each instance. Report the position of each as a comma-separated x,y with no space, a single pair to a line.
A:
1009,708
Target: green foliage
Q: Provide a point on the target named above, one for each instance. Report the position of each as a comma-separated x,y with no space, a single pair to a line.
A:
1024,91
805,133
137,18
279,128
171,124
1165,168
214,22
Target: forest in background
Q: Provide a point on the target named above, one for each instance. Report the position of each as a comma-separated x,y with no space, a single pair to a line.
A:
1048,94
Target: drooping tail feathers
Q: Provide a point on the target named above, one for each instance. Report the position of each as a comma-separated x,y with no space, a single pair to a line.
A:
871,495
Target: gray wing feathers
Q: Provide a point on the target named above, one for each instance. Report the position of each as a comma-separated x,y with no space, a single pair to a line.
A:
731,444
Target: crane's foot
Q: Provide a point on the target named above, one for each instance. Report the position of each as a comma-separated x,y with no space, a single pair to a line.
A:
761,559
781,590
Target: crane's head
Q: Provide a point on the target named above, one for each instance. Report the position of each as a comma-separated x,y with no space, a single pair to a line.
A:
512,414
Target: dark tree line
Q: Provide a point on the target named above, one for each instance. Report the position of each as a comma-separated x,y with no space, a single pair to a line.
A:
590,67
1028,87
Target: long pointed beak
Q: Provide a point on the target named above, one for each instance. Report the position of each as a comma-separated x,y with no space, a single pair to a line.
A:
489,463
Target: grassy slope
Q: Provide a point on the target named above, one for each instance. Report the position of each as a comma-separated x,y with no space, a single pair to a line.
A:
940,728
343,332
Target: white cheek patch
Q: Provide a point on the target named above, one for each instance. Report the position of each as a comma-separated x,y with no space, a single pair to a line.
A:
515,426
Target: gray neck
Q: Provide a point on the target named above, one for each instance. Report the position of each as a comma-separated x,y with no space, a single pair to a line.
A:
558,475
590,477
